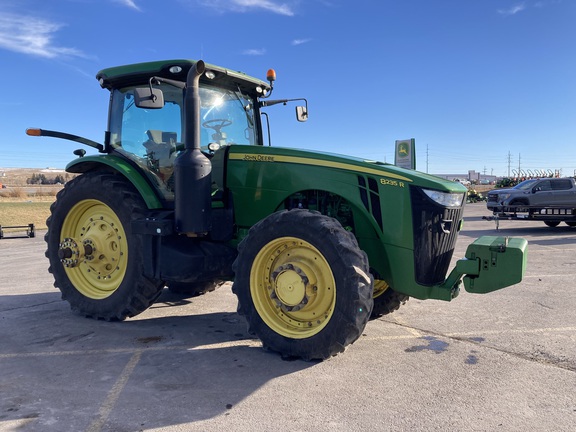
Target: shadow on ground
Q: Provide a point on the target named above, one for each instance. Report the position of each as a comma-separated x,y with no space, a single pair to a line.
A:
82,372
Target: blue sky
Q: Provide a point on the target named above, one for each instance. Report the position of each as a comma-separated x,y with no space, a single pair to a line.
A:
480,84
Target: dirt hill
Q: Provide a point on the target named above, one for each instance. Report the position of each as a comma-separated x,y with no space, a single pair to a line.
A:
16,177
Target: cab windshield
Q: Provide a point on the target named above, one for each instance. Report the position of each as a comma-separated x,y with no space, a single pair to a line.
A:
154,137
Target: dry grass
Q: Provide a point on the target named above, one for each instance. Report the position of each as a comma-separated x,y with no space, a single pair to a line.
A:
24,213
22,204
17,193
25,193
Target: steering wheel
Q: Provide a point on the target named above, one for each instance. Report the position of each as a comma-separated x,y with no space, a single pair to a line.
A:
217,124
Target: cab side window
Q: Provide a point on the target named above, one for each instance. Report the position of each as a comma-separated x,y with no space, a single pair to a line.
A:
543,186
562,184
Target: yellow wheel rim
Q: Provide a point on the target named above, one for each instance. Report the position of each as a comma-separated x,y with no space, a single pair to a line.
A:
93,249
379,287
293,287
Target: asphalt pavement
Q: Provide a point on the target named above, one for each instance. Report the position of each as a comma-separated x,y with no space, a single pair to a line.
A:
504,361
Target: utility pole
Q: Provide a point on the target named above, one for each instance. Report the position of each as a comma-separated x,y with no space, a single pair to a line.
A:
509,162
519,165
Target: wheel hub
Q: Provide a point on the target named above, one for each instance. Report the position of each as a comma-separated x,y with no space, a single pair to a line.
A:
71,254
93,249
290,288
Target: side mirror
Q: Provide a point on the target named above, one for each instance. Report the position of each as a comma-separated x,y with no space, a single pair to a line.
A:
147,97
301,113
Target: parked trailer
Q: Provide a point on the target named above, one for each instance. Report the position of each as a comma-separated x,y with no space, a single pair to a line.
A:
552,216
29,231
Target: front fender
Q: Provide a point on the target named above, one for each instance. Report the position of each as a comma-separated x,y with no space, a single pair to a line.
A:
133,175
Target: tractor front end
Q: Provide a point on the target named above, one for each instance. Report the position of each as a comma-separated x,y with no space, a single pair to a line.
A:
406,221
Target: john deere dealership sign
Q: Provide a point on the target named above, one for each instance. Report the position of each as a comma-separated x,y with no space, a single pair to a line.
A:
405,155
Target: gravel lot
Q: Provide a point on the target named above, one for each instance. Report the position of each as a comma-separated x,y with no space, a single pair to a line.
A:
502,361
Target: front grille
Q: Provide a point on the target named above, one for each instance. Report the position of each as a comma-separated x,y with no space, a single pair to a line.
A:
435,232
492,197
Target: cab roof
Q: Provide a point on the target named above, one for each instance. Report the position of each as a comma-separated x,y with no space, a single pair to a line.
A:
140,73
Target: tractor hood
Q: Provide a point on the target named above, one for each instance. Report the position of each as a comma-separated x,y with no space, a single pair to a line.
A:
340,162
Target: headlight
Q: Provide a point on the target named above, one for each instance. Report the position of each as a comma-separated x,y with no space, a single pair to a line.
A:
503,196
445,199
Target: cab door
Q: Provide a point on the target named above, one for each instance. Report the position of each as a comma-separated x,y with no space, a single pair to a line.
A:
563,192
554,192
542,194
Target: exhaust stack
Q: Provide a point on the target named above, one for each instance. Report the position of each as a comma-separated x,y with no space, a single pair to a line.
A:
192,169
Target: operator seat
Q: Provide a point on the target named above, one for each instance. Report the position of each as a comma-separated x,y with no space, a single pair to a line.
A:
161,152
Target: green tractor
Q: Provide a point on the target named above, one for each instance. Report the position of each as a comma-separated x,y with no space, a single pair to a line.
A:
185,193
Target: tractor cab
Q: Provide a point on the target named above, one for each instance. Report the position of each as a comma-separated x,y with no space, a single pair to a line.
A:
147,123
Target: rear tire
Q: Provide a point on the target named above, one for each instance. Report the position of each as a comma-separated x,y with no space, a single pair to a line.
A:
552,224
96,260
303,284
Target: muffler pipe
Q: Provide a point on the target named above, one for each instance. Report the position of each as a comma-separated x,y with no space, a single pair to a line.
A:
192,169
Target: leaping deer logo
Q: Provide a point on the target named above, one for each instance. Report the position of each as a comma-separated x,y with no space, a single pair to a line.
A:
403,149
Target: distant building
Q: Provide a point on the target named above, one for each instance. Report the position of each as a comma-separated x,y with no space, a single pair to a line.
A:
472,176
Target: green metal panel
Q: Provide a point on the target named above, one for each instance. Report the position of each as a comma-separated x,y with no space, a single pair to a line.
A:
261,178
500,262
135,177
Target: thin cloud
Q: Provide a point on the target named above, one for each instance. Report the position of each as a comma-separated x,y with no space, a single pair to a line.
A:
242,6
545,3
513,10
32,36
297,42
129,3
254,52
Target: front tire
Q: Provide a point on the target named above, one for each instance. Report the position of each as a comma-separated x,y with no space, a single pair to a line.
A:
386,300
552,224
96,260
517,205
303,284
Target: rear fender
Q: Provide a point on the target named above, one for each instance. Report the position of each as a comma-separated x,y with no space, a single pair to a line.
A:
114,163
